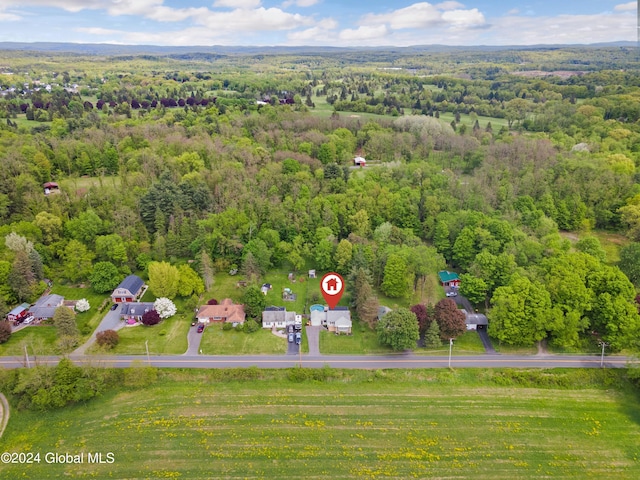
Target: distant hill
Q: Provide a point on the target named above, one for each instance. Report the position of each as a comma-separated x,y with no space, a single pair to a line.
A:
109,49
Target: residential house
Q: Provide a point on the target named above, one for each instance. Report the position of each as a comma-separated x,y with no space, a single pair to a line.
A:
129,290
277,317
360,162
336,320
449,279
226,311
135,310
46,306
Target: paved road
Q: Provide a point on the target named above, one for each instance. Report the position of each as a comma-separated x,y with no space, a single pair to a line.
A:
336,361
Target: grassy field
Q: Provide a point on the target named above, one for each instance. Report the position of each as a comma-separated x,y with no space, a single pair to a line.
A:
215,341
362,341
39,340
169,337
344,425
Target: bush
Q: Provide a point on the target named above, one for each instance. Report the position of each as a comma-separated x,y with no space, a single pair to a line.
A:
5,331
212,301
227,326
108,338
138,375
251,326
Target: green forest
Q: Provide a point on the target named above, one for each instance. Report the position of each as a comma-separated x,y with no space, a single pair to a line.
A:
518,169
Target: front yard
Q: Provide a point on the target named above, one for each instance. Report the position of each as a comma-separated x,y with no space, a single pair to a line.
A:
39,340
169,337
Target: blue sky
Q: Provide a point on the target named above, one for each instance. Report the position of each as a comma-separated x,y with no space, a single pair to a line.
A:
318,22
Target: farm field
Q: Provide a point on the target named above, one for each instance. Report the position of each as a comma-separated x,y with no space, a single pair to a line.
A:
344,424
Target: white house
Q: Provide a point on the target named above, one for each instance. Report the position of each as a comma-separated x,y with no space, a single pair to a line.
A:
277,317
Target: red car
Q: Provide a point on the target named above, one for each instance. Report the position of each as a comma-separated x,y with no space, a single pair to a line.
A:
201,328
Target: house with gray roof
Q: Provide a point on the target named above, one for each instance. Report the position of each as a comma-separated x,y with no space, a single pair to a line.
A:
129,290
336,320
46,306
135,310
277,317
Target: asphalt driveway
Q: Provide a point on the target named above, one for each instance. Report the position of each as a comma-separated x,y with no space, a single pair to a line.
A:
111,321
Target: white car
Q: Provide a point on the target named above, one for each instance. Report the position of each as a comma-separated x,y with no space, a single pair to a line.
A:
452,294
28,320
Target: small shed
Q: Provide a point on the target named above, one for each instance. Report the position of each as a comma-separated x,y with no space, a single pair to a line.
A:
360,161
50,188
449,279
312,274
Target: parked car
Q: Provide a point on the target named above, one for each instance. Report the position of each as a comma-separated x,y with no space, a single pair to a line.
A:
201,328
298,338
452,294
114,306
291,338
28,320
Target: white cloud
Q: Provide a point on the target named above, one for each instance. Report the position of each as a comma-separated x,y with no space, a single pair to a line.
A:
417,15
8,17
513,11
624,7
464,18
364,33
97,31
579,29
425,15
246,4
449,5
299,3
260,19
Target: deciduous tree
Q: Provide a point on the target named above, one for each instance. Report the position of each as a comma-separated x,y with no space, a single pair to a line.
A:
398,329
451,320
163,279
190,282
104,277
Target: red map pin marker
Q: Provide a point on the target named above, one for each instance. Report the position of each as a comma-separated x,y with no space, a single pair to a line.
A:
332,287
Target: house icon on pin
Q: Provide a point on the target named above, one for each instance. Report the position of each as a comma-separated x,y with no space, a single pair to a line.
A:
332,285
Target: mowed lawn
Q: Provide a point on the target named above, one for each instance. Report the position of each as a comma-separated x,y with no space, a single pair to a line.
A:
169,337
215,341
38,339
355,425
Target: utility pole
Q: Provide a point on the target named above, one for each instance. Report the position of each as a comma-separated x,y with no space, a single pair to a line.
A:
146,344
602,344
26,354
450,345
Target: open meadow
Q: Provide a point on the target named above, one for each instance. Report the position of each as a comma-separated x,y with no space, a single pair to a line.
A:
330,424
